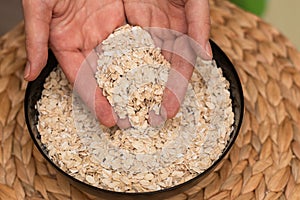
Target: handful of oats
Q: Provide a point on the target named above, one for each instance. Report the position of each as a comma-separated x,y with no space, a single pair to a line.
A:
132,74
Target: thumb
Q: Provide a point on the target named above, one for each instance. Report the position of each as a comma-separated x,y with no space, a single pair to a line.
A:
37,17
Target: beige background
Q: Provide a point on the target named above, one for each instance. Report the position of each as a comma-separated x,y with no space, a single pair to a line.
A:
283,14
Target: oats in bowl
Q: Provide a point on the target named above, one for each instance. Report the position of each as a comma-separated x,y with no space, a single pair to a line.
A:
132,74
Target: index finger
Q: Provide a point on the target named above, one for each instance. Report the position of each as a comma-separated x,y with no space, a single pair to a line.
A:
81,74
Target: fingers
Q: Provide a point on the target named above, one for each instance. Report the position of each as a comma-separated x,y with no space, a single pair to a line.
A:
124,123
104,111
182,61
37,16
81,74
174,92
198,20
157,120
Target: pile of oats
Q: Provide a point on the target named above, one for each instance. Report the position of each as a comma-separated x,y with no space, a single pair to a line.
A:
132,74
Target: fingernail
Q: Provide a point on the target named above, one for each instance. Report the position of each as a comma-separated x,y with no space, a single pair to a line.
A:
207,53
27,70
159,120
208,50
115,116
155,120
124,123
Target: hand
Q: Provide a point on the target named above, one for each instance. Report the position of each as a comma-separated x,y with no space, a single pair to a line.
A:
72,28
189,17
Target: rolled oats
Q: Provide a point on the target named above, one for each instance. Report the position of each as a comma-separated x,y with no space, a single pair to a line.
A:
132,74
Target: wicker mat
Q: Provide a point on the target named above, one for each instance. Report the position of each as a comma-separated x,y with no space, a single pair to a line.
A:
265,160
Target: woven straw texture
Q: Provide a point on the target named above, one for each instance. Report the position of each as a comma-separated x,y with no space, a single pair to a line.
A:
264,163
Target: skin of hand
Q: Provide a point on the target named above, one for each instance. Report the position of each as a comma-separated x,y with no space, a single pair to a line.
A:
71,28
190,17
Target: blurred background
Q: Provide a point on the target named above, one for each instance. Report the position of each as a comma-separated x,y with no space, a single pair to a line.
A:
284,15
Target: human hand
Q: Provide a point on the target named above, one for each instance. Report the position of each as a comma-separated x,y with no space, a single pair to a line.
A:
189,17
72,29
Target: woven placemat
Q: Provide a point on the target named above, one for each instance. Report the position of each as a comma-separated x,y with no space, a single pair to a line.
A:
264,163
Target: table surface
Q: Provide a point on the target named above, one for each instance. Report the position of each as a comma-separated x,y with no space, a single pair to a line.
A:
264,163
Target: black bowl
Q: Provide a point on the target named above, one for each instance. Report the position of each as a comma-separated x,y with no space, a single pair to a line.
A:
33,94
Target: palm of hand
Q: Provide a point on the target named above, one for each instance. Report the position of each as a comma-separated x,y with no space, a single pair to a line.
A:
156,13
79,26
